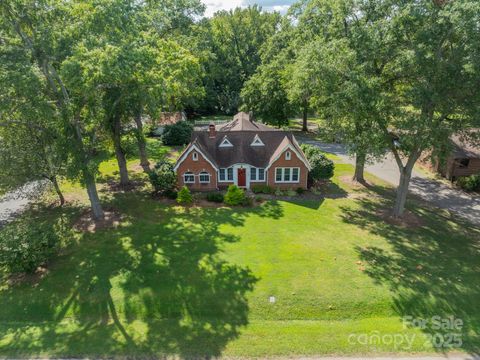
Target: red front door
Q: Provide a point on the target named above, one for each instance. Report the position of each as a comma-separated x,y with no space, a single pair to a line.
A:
242,177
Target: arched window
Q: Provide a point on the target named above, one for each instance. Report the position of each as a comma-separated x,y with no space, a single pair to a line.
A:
204,177
195,156
288,155
188,178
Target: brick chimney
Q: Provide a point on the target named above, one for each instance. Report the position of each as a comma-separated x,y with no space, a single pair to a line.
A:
212,132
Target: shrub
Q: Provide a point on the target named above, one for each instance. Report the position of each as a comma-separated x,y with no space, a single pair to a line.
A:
247,201
215,197
262,189
469,183
278,192
234,196
300,191
171,194
184,196
290,192
322,167
24,246
177,134
163,178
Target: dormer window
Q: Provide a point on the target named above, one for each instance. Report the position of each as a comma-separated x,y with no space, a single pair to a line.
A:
288,155
225,143
195,156
256,141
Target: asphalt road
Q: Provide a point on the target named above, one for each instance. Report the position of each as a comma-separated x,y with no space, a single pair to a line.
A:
435,192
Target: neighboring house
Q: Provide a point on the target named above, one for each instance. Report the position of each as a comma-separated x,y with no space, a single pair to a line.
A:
463,160
244,153
168,118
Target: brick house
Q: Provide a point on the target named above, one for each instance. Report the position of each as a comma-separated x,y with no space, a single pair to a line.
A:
244,153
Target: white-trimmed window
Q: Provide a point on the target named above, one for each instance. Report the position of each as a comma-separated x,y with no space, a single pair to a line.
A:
257,174
287,175
225,143
204,177
195,156
189,178
256,141
225,174
288,155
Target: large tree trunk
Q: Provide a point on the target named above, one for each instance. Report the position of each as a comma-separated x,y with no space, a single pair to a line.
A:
88,177
404,183
93,195
305,117
119,153
54,181
360,159
402,192
142,145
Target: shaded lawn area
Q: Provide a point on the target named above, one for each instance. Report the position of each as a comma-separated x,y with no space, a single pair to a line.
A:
197,282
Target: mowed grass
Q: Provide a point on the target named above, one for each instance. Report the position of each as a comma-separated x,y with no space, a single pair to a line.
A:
198,282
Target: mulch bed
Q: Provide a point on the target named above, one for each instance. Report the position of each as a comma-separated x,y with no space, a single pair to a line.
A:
86,223
408,219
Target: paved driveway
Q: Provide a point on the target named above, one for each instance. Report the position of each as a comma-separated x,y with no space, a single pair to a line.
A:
435,192
14,202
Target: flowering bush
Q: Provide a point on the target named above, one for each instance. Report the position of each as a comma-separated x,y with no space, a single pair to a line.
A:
163,178
26,245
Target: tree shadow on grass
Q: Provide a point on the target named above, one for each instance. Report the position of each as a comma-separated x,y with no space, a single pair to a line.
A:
432,269
155,286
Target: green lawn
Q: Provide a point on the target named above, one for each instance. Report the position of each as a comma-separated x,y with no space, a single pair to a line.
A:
197,281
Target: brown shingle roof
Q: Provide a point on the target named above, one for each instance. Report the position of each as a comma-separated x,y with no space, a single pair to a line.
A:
241,132
242,122
242,151
464,148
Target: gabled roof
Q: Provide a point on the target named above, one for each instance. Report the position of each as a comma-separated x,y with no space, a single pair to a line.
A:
195,146
289,144
275,142
243,122
464,147
242,151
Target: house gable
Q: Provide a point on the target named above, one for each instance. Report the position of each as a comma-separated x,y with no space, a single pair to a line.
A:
285,146
199,174
186,155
